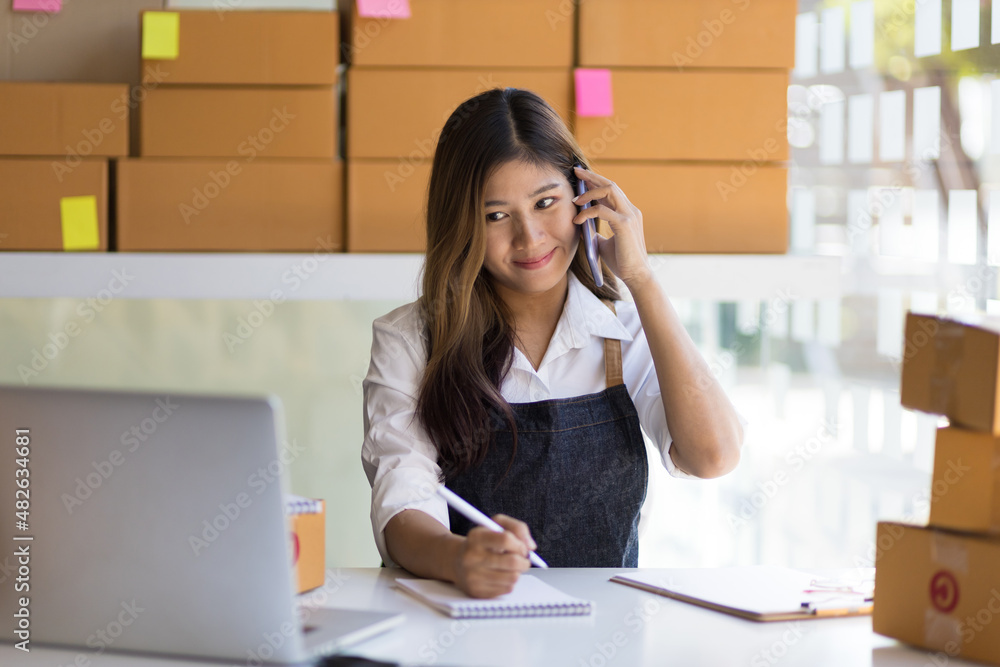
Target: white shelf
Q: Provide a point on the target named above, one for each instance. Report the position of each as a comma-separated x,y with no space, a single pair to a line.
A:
352,277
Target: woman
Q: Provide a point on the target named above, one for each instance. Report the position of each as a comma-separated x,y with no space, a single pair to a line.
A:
515,380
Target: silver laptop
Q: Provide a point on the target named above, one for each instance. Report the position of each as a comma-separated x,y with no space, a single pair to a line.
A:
155,523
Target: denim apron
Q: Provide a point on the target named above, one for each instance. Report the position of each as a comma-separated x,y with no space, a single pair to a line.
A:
578,479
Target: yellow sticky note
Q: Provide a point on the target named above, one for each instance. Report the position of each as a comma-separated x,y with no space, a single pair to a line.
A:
79,223
161,35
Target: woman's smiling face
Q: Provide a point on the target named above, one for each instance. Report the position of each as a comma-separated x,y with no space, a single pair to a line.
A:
530,236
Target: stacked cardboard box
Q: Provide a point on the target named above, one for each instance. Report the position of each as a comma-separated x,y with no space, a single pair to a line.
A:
91,42
695,128
938,586
226,6
237,144
54,154
408,75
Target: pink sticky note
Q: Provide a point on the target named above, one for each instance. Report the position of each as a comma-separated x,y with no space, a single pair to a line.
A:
389,9
593,92
50,6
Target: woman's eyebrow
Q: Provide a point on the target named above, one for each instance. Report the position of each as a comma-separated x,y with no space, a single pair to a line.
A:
544,188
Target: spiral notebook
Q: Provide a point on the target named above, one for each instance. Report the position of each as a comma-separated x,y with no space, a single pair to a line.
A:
530,597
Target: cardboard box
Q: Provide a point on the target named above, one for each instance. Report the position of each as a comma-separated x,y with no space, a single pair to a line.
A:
692,115
254,48
386,206
692,33
706,208
965,494
939,590
683,209
309,549
399,113
218,205
31,192
950,367
250,123
459,33
224,7
71,120
86,41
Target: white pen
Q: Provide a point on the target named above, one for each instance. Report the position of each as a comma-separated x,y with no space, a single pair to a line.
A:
474,515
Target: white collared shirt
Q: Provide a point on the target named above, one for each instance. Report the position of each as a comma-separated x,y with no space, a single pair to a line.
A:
398,456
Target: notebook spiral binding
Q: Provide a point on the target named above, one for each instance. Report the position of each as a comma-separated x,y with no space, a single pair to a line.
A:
299,505
473,610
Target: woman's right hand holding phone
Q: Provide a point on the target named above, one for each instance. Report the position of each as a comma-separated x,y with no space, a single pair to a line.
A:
488,564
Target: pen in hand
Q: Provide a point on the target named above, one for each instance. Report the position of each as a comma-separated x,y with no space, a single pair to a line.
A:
474,515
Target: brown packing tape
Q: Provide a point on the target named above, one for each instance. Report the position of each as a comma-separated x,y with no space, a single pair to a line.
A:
947,363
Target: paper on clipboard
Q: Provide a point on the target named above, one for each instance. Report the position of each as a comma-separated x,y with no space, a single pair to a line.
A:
757,593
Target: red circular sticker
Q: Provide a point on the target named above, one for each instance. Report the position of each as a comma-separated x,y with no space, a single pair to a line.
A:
944,591
295,548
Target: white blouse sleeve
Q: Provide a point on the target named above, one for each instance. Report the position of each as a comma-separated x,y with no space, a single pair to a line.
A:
397,455
645,390
644,387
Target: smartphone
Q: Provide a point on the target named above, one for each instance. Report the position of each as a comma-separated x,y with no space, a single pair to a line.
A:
589,232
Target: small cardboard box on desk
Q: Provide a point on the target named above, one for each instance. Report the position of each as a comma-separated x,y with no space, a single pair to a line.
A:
307,520
939,589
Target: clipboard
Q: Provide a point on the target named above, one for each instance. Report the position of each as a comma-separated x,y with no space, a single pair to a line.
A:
760,593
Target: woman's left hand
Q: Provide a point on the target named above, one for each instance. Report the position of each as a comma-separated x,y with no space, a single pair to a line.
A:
625,252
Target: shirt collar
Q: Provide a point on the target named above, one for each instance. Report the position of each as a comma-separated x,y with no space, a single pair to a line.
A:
585,315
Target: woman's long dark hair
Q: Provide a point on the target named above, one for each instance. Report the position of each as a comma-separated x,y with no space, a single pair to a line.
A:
469,328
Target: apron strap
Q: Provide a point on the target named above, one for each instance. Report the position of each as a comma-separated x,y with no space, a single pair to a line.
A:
612,356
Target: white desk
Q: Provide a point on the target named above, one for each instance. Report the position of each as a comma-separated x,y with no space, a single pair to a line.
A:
630,626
